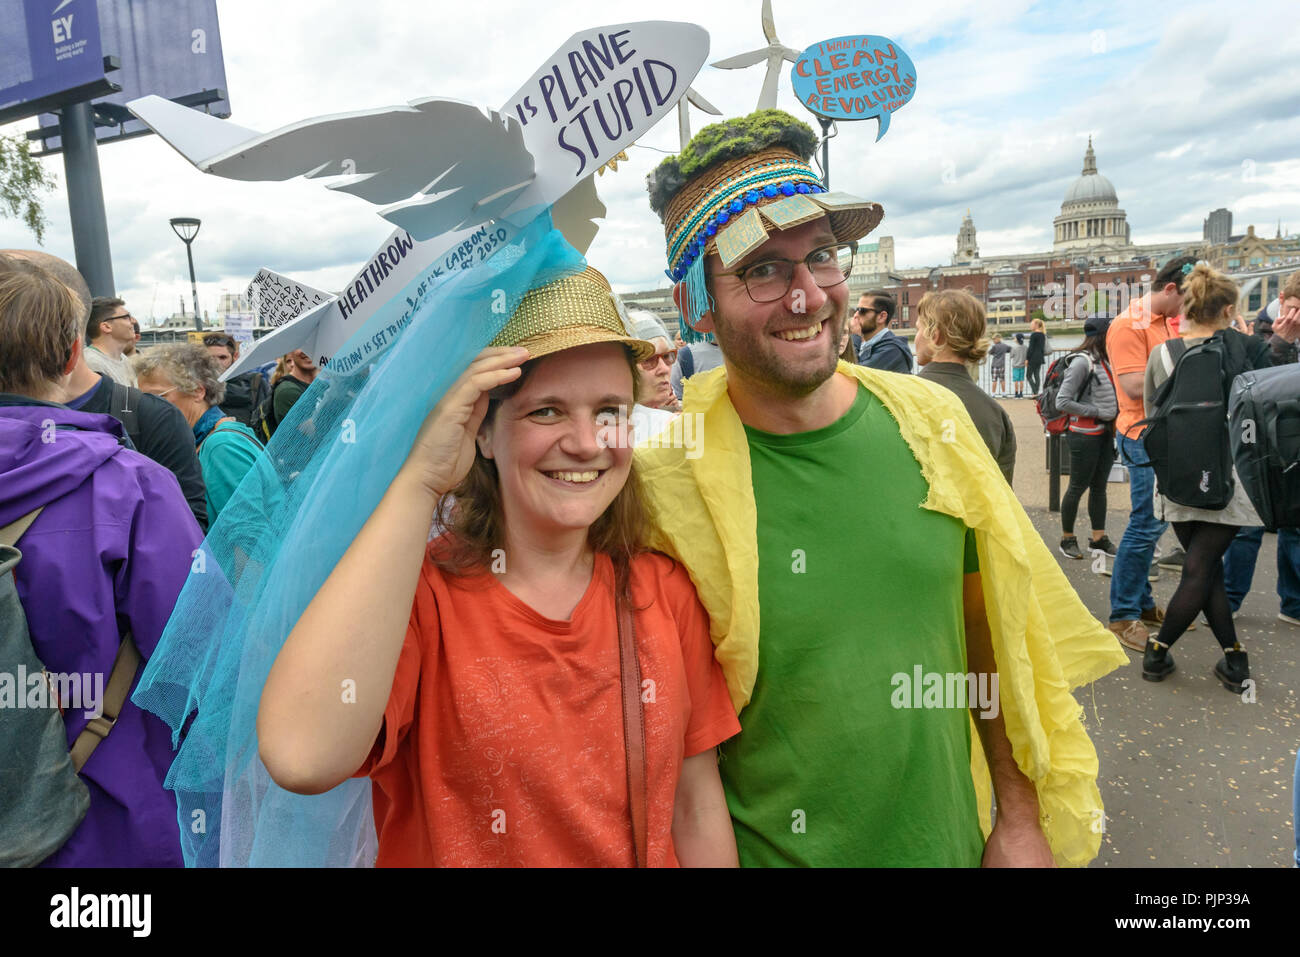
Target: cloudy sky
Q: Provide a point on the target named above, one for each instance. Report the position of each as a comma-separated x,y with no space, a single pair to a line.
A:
1191,106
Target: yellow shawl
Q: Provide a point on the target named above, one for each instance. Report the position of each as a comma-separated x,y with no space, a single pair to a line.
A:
697,477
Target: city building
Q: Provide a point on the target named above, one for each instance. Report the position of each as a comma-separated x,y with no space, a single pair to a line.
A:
1091,221
873,260
968,250
1218,227
1093,268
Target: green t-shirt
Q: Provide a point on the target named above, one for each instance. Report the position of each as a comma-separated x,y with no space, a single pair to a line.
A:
858,588
286,392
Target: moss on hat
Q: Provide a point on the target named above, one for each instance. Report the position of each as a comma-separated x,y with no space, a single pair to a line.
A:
730,139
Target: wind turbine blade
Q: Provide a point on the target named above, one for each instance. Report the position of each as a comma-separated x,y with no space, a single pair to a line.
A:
791,54
742,60
767,99
769,24
696,100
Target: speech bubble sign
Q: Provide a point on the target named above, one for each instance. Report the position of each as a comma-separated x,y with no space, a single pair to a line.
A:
854,78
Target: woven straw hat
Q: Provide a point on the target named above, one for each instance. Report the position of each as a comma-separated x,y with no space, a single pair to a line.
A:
574,311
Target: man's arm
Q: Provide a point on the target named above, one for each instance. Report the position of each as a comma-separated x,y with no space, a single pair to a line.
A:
1131,383
1007,454
1017,839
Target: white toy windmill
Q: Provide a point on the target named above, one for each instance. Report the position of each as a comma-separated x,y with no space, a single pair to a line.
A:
774,53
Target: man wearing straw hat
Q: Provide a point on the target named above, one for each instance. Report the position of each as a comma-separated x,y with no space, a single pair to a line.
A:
856,703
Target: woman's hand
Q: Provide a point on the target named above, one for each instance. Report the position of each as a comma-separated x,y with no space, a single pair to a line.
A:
443,450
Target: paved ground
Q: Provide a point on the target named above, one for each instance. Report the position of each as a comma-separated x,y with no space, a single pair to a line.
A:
1190,774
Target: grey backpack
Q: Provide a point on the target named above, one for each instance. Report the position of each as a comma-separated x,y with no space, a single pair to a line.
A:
42,801
42,798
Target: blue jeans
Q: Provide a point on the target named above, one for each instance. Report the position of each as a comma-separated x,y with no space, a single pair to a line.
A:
1239,567
1130,592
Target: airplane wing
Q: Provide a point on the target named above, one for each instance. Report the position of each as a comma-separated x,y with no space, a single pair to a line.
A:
460,181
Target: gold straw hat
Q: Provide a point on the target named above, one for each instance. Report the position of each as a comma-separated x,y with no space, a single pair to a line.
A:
574,311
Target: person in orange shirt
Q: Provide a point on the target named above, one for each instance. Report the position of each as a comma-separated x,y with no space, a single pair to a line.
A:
1132,336
488,708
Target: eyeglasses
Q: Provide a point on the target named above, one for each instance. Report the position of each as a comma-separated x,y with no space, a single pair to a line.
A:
863,310
652,363
770,280
125,315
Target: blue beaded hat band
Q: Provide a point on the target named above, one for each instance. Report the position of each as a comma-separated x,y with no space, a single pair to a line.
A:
718,199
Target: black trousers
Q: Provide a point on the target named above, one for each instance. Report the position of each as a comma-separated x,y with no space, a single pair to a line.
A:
1091,457
1035,370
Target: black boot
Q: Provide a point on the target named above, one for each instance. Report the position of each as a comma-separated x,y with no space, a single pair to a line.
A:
1157,662
1234,669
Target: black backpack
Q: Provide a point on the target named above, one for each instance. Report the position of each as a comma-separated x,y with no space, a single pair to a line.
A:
1264,409
123,398
263,420
1187,435
244,393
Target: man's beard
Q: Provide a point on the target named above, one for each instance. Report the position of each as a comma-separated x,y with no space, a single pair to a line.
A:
757,359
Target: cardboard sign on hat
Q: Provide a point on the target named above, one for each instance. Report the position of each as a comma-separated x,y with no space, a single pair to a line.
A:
457,181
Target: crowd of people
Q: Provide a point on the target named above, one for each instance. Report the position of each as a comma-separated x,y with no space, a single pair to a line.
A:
558,649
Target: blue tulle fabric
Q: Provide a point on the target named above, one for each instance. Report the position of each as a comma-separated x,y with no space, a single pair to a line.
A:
281,535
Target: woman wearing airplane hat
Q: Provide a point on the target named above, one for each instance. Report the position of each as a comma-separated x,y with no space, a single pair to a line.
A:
532,687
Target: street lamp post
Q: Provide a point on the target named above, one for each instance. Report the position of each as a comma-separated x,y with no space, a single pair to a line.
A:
187,228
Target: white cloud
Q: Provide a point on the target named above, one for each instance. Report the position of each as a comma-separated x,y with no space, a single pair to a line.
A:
1191,110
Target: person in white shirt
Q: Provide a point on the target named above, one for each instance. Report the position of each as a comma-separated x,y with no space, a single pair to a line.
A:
110,330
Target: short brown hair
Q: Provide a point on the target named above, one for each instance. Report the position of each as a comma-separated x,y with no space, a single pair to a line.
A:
1291,287
40,320
100,307
222,339
882,301
960,317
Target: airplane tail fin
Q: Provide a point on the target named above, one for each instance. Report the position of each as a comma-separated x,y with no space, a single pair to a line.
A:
196,136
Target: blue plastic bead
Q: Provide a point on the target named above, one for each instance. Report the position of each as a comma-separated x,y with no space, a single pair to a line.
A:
711,229
737,206
752,197
803,188
788,188
769,190
723,217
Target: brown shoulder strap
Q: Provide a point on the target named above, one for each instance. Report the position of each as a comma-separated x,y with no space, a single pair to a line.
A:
115,692
633,730
10,534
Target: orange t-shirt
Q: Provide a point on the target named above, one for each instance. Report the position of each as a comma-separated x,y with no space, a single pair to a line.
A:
1132,337
502,742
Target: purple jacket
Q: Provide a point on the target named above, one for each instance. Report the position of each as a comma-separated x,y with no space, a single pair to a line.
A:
109,553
